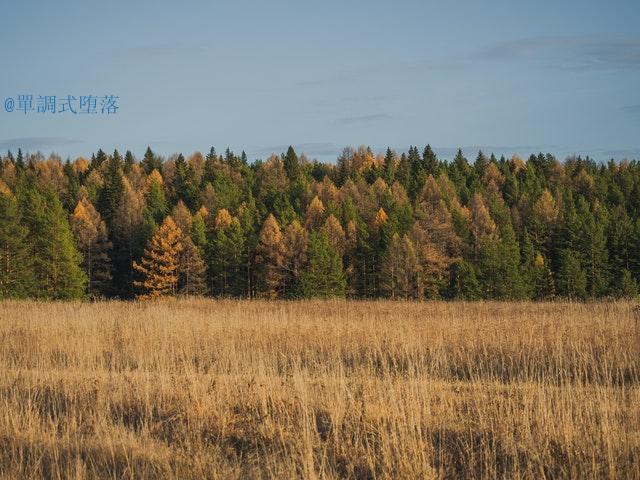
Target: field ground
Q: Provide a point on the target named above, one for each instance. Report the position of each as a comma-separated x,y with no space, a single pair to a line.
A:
239,389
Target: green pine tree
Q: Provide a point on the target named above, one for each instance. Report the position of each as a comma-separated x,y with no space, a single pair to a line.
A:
16,263
291,164
72,195
56,261
430,162
499,261
463,282
388,167
150,162
571,278
156,202
593,247
324,276
625,285
226,260
112,189
129,161
184,184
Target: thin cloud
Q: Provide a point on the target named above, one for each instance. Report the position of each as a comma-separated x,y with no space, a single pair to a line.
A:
369,71
631,109
34,143
577,53
619,154
363,119
157,50
566,52
338,79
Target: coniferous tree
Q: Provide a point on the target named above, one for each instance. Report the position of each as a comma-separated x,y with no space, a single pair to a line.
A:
156,202
291,164
481,164
20,165
418,173
482,225
571,278
625,285
535,273
436,240
495,229
463,283
403,173
593,247
150,162
315,214
401,269
199,229
98,159
56,261
73,186
191,266
184,185
249,221
324,276
620,240
182,217
270,259
93,243
129,162
461,174
16,262
159,266
129,234
380,234
226,256
634,260
112,189
430,162
296,243
544,216
500,260
192,270
388,167
335,233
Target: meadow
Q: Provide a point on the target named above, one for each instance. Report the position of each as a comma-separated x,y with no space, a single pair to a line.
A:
199,388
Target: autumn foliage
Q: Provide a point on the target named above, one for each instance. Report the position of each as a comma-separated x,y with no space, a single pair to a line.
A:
159,264
406,225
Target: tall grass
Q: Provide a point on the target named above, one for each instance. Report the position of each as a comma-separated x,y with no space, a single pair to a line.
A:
364,390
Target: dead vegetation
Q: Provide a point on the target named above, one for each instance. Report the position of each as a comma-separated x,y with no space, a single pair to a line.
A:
363,390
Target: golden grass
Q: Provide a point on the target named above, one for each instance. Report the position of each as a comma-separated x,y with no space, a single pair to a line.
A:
238,389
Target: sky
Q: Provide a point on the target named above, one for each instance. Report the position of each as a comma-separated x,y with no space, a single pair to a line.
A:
502,76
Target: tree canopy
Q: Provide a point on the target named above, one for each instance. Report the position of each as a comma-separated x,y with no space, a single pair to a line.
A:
402,225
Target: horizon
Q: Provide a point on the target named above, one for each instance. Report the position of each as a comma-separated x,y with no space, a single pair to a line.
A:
445,154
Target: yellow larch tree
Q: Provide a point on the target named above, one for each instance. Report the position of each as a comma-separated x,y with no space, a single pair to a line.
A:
380,218
315,214
296,243
191,265
270,258
159,265
335,233
223,219
93,242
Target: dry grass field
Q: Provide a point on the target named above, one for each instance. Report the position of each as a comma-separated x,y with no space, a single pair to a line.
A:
231,389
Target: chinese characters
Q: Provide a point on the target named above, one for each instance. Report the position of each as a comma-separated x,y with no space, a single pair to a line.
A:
68,104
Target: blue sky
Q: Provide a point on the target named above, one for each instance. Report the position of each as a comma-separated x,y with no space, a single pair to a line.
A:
506,76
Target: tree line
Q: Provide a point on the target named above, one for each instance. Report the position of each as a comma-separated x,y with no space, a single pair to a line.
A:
402,226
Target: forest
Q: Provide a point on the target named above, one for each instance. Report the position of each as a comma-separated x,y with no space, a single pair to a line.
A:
403,225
